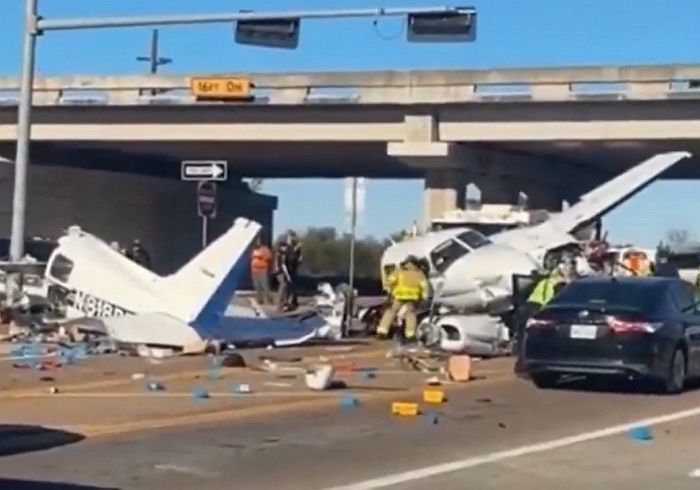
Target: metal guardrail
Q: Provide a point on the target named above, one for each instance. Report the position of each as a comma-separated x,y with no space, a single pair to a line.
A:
652,82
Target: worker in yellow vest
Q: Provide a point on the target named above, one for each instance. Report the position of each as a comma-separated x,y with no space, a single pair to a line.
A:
546,288
407,286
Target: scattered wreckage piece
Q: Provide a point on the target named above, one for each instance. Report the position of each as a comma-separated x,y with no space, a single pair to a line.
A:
475,335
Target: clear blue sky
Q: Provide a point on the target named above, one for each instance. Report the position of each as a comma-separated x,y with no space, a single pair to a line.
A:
511,33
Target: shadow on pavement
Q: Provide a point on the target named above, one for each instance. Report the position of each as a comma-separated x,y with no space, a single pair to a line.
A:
18,439
8,484
616,385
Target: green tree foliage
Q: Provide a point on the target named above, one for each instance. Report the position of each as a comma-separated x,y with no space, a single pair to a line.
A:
326,253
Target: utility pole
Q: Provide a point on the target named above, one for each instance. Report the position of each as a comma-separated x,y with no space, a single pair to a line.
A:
153,59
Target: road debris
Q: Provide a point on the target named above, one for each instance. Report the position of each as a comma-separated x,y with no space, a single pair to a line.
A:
241,388
319,377
349,401
155,386
434,396
459,368
199,393
640,433
405,409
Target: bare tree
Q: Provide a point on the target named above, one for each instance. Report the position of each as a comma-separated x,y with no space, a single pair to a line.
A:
677,236
255,184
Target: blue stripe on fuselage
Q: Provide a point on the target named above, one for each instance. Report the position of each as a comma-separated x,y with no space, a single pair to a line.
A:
207,320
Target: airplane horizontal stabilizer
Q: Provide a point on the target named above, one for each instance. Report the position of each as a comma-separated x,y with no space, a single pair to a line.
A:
608,196
167,331
151,329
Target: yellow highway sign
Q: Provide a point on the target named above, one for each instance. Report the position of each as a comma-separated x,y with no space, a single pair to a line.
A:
220,87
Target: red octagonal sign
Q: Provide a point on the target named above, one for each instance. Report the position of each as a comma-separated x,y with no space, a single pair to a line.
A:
206,199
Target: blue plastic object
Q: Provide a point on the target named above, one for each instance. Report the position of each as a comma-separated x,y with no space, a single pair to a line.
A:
214,373
640,433
349,401
199,393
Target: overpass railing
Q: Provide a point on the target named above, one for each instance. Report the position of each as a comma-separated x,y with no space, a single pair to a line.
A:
651,82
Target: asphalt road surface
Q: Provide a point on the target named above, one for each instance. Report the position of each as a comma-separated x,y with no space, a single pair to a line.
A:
500,435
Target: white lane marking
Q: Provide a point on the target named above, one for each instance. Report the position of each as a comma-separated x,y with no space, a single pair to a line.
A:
439,469
695,473
187,470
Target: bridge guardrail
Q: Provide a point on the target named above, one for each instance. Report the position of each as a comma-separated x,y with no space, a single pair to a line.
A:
621,83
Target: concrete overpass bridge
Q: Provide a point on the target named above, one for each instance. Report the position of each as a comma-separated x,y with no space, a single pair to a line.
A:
552,132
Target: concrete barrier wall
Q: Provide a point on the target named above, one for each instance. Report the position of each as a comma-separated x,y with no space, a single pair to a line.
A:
162,213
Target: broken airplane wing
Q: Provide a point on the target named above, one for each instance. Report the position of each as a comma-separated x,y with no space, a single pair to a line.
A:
608,196
555,232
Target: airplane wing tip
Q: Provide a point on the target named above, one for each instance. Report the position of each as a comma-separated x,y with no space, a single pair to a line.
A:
678,155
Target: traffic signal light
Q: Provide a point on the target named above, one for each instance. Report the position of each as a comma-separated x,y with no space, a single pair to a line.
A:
457,26
271,33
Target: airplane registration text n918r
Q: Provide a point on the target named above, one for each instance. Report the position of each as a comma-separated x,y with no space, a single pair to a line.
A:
93,306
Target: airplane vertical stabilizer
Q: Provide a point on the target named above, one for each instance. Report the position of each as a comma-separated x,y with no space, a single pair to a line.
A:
201,290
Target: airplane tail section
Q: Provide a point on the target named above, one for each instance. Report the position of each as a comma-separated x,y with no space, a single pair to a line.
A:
608,196
202,289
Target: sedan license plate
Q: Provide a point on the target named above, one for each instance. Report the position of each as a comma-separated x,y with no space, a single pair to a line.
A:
583,332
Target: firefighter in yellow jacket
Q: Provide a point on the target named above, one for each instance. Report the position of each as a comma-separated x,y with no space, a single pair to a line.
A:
407,286
546,288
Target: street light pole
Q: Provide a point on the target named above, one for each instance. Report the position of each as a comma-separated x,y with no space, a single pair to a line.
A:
24,116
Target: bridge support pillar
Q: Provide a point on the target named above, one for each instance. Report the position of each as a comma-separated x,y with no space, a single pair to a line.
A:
445,176
442,164
445,190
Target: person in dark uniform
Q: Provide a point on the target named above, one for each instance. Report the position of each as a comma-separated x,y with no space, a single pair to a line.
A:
287,261
663,268
139,254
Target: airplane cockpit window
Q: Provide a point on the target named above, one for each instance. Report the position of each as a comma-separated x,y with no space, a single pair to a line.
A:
446,253
474,239
61,267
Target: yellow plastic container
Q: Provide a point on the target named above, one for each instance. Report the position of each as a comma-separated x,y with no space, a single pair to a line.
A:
433,396
405,409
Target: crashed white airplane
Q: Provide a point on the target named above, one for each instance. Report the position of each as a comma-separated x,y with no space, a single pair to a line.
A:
473,274
135,306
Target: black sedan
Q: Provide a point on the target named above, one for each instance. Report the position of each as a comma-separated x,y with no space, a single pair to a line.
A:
638,328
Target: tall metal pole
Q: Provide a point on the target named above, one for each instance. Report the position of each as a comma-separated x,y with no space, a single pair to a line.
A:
351,271
19,197
24,116
154,52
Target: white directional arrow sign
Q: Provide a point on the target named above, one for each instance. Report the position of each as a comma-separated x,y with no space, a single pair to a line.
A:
199,170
